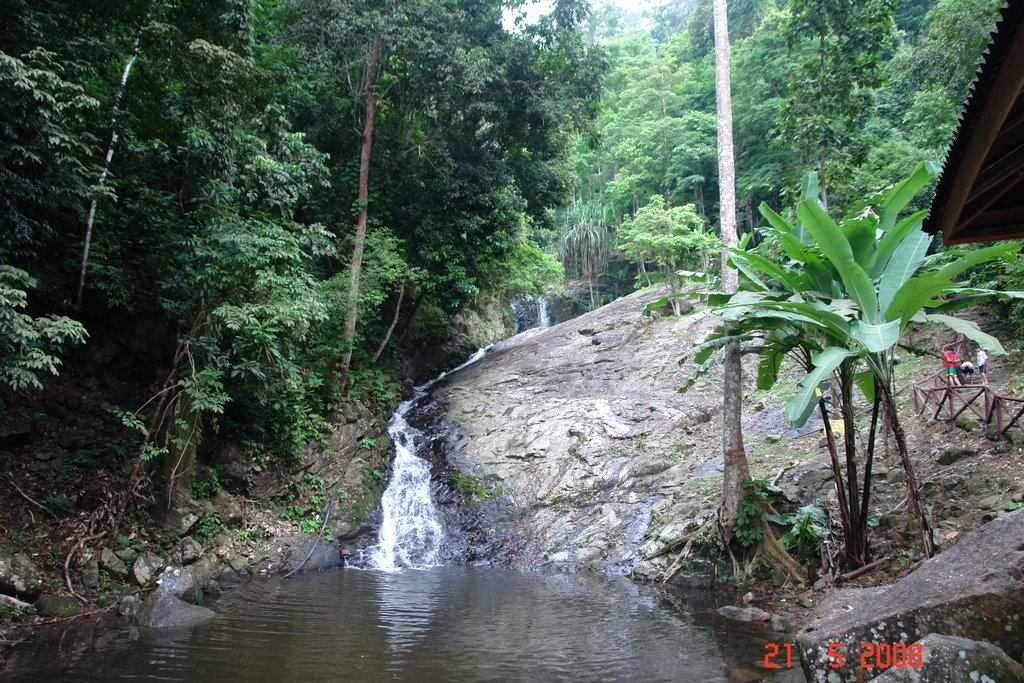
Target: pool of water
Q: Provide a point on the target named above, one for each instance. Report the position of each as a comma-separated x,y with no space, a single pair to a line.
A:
442,624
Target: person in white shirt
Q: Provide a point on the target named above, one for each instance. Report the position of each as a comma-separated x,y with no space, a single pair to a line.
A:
982,365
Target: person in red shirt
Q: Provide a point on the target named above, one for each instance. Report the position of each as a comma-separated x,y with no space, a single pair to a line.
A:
951,362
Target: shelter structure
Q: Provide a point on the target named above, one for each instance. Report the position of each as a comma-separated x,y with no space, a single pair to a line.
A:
980,194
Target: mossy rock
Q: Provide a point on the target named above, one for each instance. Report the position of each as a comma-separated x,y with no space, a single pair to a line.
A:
57,606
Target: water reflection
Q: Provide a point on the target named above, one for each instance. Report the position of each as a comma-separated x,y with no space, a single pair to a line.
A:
443,624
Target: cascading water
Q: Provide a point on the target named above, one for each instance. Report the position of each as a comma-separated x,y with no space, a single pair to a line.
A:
543,317
531,311
411,532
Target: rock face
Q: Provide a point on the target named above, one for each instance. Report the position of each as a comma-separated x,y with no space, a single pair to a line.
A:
578,426
957,660
18,575
974,590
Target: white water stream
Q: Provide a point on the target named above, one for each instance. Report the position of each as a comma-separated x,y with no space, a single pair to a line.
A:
543,317
411,532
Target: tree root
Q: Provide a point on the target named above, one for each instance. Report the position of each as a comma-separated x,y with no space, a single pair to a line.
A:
772,555
683,554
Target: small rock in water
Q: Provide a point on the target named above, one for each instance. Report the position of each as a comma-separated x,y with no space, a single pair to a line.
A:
738,675
744,613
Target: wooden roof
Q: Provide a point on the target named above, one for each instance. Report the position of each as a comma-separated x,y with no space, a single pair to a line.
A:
980,194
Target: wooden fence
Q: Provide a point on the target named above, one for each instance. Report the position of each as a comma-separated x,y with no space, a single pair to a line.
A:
947,403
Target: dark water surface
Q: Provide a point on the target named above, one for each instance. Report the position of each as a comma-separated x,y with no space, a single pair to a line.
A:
443,624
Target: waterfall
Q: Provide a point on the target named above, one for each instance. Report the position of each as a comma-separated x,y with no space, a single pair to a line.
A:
411,532
531,311
543,318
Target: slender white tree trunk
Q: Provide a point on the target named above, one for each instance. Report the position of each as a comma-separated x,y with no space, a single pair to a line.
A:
736,470
106,168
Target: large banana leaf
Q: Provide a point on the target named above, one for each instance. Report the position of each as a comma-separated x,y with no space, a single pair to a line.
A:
809,192
906,260
768,370
837,250
791,280
970,330
914,295
892,239
785,233
866,383
743,266
901,194
818,313
969,296
800,407
861,233
972,258
876,338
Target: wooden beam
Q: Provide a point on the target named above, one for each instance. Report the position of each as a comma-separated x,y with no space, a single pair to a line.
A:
998,103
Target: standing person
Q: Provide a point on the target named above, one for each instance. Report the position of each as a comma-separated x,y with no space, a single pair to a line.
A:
982,365
951,362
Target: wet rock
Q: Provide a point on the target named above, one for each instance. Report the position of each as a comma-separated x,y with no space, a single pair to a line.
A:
744,613
129,606
974,590
951,659
188,551
740,675
145,568
235,561
179,582
19,575
112,563
57,606
321,555
163,610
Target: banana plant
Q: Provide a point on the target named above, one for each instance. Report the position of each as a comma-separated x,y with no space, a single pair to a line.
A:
838,303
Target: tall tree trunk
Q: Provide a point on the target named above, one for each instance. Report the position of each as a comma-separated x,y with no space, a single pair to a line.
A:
369,120
736,470
106,165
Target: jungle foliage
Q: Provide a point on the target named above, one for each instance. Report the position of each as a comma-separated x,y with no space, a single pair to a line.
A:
858,92
223,168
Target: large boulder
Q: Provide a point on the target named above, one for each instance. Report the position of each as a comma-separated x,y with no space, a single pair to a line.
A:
19,575
951,659
163,610
974,590
321,554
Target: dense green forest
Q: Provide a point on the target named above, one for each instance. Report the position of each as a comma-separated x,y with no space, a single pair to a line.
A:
216,171
279,208
859,92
